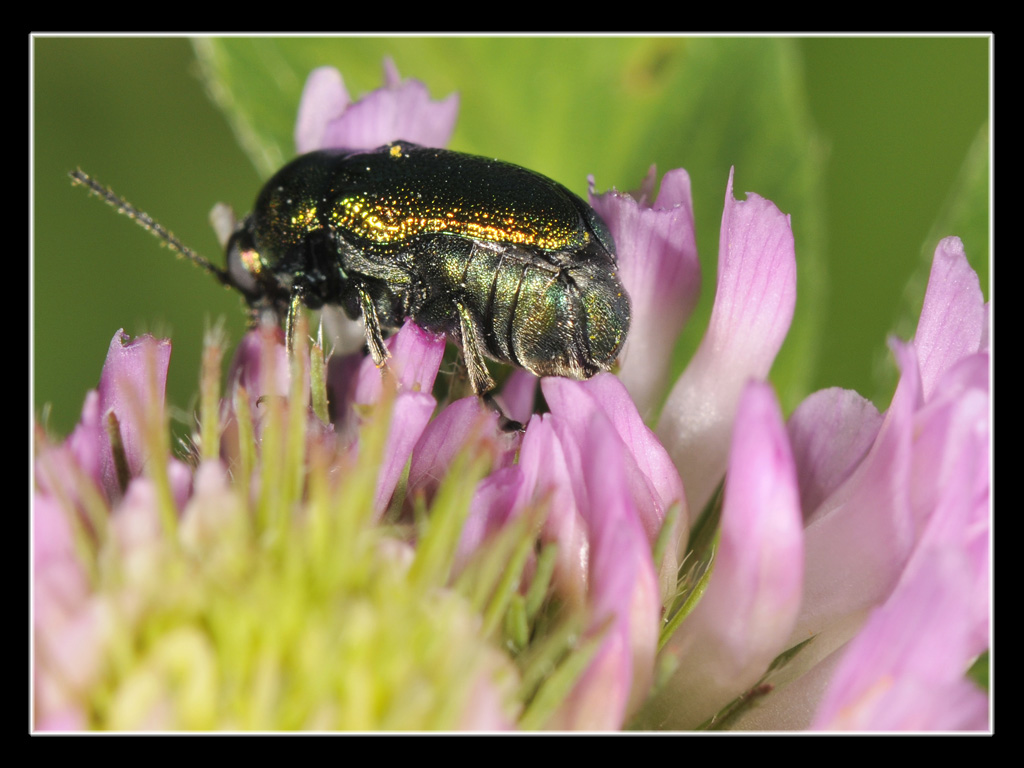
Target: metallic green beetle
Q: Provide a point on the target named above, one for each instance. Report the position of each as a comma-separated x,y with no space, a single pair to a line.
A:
509,263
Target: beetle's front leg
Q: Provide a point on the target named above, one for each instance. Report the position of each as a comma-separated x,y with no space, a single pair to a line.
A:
294,307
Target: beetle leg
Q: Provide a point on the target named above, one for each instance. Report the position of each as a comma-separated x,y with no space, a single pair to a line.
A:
577,347
505,424
294,307
374,339
473,352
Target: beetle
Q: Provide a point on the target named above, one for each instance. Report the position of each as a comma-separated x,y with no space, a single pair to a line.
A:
507,262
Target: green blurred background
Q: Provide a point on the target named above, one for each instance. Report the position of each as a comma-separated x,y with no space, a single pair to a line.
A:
862,140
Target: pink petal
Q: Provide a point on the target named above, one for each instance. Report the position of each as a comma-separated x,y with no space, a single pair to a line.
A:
413,365
133,379
412,411
87,444
657,256
653,481
753,308
415,360
830,431
71,719
904,671
136,525
488,708
464,422
546,480
324,100
260,364
60,584
756,585
750,607
179,475
72,471
983,346
623,594
861,536
953,317
69,661
400,110
494,503
951,488
518,395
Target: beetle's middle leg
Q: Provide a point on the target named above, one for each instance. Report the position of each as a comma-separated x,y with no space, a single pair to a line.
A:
374,337
473,352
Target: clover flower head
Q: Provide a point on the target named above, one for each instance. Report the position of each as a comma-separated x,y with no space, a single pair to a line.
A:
347,547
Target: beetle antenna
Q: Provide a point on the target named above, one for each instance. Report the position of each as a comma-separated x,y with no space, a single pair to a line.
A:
147,222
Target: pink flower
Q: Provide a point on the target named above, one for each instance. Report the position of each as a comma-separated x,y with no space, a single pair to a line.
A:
875,492
897,514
